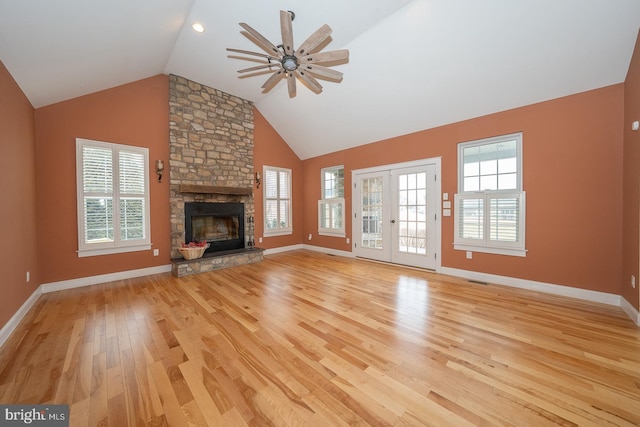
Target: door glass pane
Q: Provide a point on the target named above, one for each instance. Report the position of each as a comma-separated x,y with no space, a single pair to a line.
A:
372,213
412,208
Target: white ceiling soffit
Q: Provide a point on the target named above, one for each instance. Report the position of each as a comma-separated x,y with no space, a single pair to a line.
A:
413,65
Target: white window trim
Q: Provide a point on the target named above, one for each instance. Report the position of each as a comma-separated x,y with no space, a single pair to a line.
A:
117,246
278,231
486,245
331,232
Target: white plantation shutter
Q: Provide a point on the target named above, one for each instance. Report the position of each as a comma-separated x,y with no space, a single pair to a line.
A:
492,219
97,173
331,217
132,177
470,223
97,168
132,195
113,201
277,200
504,213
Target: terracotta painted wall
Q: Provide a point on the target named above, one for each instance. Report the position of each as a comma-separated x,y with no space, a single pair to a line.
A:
271,150
133,114
631,239
18,226
572,176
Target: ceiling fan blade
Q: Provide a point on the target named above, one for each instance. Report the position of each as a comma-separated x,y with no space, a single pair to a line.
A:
308,80
291,85
260,40
258,67
273,80
287,32
341,55
323,72
314,40
247,52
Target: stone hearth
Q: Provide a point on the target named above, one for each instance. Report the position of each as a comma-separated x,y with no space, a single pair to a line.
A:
225,259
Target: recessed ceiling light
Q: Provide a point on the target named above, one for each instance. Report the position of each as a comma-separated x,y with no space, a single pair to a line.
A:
198,27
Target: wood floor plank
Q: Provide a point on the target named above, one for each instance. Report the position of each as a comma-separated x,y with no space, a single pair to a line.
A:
304,338
98,402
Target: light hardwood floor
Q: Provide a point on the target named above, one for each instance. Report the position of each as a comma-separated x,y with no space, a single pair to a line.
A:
305,338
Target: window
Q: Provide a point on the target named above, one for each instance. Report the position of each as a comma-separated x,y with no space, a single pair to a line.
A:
277,201
331,206
490,204
113,198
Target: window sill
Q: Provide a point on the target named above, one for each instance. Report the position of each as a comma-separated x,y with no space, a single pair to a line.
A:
331,234
490,250
109,251
277,233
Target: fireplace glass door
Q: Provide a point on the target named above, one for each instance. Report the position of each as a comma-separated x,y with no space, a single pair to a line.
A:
219,224
215,228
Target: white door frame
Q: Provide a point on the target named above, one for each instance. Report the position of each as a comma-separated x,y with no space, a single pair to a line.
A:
356,228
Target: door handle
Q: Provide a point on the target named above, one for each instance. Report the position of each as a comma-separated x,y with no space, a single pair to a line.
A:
393,221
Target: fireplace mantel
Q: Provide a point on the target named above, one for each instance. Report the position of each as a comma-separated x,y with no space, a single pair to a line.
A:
210,189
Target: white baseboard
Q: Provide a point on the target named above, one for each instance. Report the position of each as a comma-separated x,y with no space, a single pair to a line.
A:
630,310
329,251
550,288
309,247
102,278
15,320
282,249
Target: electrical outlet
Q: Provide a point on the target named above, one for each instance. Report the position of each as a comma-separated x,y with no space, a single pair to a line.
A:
28,276
348,240
156,252
469,255
633,281
310,236
259,239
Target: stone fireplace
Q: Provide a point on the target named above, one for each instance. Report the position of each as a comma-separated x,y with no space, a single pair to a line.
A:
211,163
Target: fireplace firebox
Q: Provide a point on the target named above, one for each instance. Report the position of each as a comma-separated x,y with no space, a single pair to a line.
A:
219,224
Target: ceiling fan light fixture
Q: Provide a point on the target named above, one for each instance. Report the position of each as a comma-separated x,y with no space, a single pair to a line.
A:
290,63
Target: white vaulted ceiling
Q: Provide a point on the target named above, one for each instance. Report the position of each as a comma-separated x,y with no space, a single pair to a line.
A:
414,64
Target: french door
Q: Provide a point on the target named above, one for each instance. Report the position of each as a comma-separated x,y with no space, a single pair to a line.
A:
396,214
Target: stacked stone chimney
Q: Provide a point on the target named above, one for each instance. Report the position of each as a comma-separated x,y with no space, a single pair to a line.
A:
211,145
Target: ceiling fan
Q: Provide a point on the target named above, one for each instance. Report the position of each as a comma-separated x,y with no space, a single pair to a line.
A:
306,63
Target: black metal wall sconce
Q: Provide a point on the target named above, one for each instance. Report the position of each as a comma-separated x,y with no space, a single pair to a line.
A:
159,169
